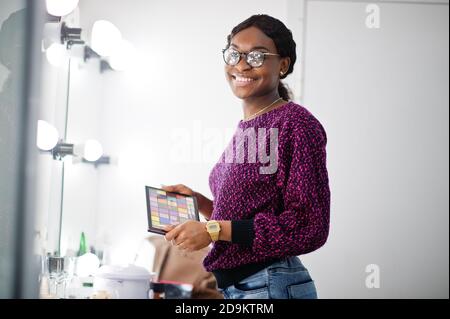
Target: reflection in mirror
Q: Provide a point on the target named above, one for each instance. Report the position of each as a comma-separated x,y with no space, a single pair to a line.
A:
53,114
60,42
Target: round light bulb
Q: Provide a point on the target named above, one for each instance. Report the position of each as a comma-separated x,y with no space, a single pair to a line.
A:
124,56
105,38
47,136
60,8
93,150
56,54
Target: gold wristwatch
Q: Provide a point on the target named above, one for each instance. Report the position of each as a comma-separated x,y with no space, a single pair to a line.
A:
213,228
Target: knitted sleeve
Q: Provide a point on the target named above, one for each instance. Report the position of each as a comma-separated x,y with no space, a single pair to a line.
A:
303,225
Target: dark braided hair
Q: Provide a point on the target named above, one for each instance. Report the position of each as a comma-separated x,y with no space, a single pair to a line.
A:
281,36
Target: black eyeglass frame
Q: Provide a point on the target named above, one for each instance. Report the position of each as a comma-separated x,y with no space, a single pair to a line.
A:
246,56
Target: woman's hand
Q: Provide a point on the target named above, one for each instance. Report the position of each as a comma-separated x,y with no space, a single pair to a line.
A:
204,204
189,236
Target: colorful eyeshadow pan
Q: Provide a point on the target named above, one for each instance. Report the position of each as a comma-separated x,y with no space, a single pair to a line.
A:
165,208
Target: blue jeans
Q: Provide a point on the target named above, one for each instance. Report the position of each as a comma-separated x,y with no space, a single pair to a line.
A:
286,279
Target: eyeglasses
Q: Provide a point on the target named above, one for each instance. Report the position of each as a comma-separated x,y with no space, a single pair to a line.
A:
254,58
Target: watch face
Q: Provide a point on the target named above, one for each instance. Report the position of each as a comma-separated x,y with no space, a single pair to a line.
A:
213,227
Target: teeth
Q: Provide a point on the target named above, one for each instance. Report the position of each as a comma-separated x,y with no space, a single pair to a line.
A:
241,79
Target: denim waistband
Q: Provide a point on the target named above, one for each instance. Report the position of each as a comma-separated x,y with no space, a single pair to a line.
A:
228,277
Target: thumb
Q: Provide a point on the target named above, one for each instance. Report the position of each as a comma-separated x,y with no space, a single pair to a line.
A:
166,187
169,227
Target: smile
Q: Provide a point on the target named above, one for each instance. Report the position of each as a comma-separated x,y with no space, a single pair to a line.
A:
242,81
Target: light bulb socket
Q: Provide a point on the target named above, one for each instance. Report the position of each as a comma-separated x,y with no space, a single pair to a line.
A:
61,150
89,53
105,66
70,36
103,160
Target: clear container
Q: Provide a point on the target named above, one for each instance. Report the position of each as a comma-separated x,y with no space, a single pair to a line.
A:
53,277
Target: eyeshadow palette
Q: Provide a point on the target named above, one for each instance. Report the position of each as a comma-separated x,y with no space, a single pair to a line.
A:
168,208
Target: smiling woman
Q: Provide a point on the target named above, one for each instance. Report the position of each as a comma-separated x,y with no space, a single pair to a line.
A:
261,221
257,78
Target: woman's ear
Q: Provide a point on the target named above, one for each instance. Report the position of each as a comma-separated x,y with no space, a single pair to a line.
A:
284,64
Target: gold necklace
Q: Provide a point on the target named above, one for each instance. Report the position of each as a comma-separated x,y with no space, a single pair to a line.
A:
264,108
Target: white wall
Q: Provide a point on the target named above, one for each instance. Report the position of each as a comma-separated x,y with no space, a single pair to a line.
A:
380,94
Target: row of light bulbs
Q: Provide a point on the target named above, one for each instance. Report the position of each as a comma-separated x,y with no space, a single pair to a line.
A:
106,39
48,138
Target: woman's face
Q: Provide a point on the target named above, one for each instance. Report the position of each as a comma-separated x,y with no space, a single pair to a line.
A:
246,81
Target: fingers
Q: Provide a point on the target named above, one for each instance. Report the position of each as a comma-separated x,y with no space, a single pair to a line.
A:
188,236
176,237
178,188
168,188
179,242
168,228
173,233
171,188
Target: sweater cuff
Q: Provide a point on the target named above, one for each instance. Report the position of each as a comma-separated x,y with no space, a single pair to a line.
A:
242,232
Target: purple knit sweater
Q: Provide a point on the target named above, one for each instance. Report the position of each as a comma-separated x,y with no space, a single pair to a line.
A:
289,206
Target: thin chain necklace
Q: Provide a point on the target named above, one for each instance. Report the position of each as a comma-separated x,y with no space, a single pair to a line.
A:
264,108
